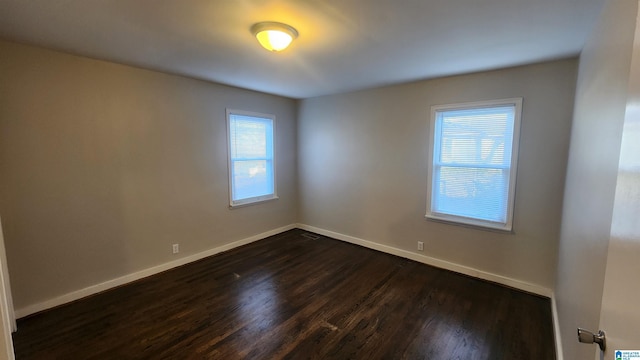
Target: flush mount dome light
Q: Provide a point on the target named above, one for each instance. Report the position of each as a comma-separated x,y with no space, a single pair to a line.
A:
274,36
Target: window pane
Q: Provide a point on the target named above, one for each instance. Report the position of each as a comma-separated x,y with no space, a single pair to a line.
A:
472,192
250,137
252,178
476,136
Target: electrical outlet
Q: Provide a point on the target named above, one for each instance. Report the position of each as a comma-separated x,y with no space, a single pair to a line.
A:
176,248
420,246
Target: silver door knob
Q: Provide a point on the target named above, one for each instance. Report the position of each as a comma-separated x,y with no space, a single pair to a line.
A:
587,337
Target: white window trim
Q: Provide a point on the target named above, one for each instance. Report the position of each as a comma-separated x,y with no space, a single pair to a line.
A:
508,225
258,199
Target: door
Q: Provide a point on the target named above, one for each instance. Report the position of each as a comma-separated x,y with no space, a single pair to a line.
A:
7,320
620,313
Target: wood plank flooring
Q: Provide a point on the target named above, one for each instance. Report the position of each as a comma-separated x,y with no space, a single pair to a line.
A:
292,297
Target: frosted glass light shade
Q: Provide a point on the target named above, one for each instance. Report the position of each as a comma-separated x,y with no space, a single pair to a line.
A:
274,36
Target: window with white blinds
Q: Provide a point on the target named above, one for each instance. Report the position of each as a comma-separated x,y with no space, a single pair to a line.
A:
252,175
473,162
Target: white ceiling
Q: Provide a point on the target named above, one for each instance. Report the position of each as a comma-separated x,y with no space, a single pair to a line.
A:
343,44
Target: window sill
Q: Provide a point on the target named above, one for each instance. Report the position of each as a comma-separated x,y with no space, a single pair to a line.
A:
253,202
470,223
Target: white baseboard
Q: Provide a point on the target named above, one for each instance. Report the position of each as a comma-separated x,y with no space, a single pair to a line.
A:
556,327
466,270
94,289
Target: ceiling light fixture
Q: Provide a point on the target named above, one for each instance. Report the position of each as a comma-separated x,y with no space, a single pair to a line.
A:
274,36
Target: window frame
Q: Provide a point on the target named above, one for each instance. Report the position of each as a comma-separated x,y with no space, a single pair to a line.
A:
257,199
435,141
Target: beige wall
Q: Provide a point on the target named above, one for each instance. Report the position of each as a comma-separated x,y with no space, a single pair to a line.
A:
601,97
104,166
363,168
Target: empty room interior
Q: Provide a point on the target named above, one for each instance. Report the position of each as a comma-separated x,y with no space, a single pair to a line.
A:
397,180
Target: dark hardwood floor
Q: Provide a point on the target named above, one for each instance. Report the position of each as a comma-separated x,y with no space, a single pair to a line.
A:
292,297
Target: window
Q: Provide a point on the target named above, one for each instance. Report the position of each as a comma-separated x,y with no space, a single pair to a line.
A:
472,162
252,175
